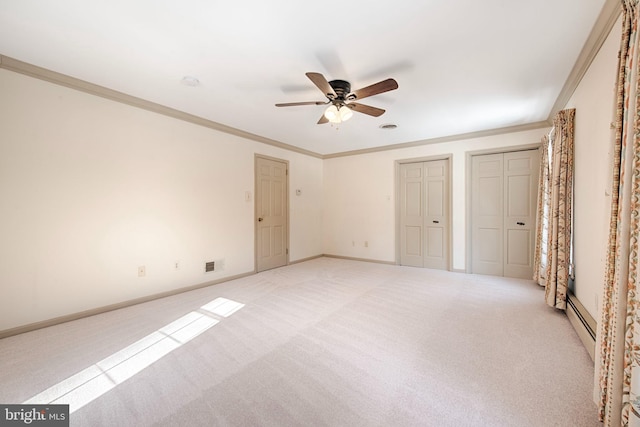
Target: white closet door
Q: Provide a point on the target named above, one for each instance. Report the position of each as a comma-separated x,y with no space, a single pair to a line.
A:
521,171
436,214
487,194
504,194
424,214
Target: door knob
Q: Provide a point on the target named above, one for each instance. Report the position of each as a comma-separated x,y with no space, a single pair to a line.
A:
436,222
260,219
520,223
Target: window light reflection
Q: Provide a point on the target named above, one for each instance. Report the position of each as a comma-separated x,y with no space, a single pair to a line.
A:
222,307
91,383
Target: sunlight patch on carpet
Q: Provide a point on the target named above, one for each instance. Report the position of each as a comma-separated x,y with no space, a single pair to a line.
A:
91,383
223,307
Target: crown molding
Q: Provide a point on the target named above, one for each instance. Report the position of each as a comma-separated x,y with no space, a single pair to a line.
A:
607,18
439,140
599,33
113,95
605,22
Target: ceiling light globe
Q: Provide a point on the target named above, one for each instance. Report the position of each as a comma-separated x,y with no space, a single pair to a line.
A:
332,114
345,113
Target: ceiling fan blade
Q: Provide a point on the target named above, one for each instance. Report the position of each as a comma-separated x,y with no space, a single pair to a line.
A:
293,104
322,84
323,120
376,88
366,109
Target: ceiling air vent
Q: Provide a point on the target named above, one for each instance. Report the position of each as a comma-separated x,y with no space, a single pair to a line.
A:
388,126
190,81
210,266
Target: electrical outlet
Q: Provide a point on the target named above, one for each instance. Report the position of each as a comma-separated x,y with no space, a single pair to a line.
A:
142,271
366,244
176,265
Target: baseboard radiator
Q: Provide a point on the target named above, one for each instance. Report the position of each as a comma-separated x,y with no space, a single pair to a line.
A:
583,323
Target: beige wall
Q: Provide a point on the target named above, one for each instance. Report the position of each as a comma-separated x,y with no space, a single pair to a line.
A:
594,101
360,196
90,189
360,189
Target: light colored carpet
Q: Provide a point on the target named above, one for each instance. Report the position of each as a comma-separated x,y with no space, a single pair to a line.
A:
325,342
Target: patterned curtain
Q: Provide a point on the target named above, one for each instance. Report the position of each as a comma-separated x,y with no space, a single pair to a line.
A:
553,240
542,216
618,341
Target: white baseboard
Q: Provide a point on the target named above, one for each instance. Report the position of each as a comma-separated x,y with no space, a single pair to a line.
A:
583,323
92,312
360,259
298,261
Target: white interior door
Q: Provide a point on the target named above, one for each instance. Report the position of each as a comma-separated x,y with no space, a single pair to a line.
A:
437,218
487,194
424,214
521,171
412,214
271,214
503,203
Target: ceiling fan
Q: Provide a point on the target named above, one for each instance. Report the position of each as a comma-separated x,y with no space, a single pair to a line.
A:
339,95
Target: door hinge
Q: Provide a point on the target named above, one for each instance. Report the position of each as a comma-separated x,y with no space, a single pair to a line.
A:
287,251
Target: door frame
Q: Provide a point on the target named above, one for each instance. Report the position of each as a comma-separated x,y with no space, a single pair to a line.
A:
257,156
449,158
468,186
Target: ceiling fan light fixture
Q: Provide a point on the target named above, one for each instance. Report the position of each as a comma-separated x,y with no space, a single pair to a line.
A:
332,114
339,95
345,113
337,114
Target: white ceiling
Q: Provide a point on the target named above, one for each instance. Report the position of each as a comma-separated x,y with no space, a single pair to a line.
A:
462,66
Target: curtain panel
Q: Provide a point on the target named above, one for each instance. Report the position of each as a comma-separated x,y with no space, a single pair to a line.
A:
542,215
560,209
618,339
554,217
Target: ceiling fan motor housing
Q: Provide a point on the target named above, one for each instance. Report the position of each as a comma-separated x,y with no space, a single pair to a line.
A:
341,88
